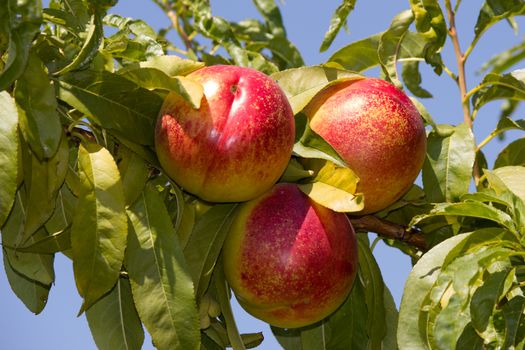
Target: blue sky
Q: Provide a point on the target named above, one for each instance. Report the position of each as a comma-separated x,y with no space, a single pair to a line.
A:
58,327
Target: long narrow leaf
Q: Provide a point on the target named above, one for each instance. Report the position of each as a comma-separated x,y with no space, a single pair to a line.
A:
161,285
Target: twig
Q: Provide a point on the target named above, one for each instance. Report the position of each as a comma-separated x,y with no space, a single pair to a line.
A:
387,229
174,18
462,81
460,58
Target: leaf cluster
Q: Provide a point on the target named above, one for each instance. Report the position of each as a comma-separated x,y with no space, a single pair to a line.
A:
80,177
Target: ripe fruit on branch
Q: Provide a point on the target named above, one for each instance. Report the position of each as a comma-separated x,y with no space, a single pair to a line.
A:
236,145
377,131
290,261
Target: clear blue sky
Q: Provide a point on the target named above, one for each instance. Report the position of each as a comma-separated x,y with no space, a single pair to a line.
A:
58,328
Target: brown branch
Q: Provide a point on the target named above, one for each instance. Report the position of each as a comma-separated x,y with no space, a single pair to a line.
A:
460,59
174,18
389,230
462,81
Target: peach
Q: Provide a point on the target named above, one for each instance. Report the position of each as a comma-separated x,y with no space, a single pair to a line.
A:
236,145
290,261
377,131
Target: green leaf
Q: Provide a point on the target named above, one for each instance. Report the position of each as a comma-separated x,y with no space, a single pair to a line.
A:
99,231
504,60
452,294
42,181
39,120
134,41
161,285
494,11
496,86
205,244
289,339
223,291
359,55
332,174
513,154
337,22
417,286
8,154
301,84
469,209
370,275
64,209
114,322
412,79
512,177
33,294
171,65
504,124
390,42
486,297
311,145
430,23
391,319
57,242
134,172
272,15
151,78
19,22
94,37
513,313
112,102
36,267
332,197
447,170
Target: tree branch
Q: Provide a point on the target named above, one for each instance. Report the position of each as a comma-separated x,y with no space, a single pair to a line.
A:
462,81
390,230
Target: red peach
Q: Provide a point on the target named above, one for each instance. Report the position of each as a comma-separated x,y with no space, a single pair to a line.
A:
236,145
290,261
377,131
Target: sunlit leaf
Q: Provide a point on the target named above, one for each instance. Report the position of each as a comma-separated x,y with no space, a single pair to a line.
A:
172,65
447,170
301,84
42,181
513,154
35,267
113,102
417,285
39,120
114,322
205,244
338,21
134,172
8,154
412,79
359,55
99,231
496,86
502,61
430,23
33,294
151,78
332,197
161,284
94,37
493,11
470,209
389,45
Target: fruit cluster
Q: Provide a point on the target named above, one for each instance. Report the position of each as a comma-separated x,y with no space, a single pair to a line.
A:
290,261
